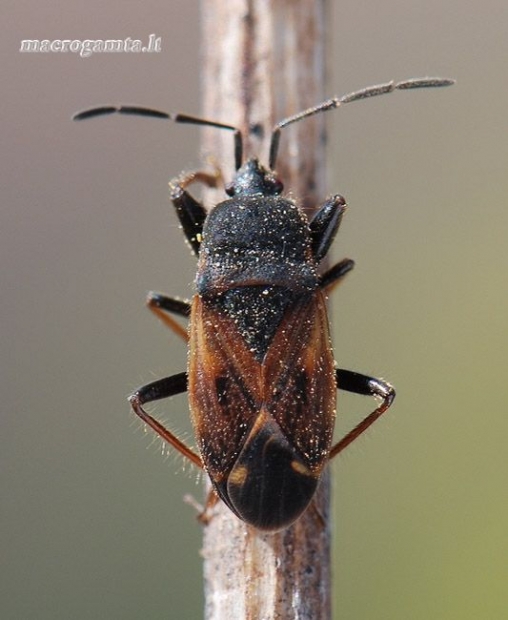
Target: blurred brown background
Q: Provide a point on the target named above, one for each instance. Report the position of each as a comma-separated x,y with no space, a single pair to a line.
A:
93,524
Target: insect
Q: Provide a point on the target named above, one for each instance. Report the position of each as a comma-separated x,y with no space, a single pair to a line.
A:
261,378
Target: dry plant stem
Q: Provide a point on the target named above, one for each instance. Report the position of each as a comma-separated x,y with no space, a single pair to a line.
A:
263,60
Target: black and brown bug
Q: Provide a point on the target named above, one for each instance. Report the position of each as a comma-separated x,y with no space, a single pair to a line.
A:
261,377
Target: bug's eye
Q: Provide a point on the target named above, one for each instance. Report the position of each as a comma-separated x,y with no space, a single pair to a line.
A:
230,189
277,186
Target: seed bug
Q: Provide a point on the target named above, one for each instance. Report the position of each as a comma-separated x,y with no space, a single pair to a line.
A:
261,377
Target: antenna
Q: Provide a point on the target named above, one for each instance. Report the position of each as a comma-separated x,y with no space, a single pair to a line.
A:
335,102
177,118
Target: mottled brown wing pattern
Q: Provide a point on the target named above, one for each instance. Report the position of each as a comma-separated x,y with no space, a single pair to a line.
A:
264,429
224,387
299,380
295,384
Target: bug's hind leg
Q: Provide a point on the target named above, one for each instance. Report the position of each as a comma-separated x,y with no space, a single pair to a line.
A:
163,388
365,386
204,515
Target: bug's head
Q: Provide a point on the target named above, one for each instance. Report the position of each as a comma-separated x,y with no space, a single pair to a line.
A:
253,178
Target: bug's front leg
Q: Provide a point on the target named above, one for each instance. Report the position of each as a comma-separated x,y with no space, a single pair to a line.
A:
191,213
366,386
325,224
163,388
323,228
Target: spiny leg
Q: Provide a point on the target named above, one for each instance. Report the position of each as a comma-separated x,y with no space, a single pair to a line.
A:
161,306
365,386
163,388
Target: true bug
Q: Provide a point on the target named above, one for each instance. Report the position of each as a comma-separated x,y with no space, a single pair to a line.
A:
261,376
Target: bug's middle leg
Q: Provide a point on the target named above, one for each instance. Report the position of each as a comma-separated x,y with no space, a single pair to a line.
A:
163,306
333,276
